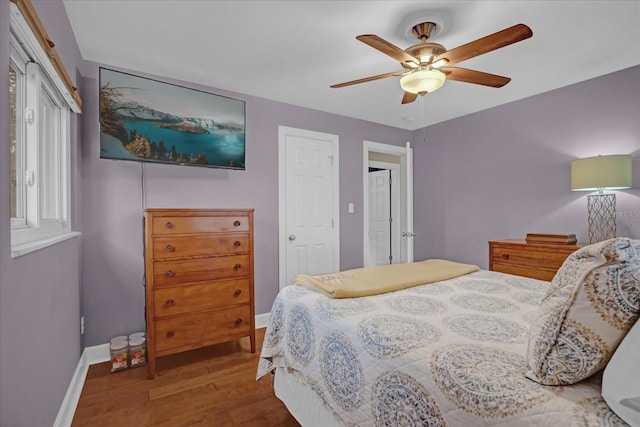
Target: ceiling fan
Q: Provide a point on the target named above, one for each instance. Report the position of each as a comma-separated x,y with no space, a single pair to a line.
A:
427,65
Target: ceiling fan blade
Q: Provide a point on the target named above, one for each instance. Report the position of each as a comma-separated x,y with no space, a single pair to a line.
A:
388,49
486,44
476,77
368,79
409,97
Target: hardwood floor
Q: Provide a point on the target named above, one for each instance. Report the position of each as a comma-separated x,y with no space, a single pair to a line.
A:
213,386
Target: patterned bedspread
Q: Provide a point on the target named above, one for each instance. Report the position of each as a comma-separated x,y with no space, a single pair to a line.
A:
447,353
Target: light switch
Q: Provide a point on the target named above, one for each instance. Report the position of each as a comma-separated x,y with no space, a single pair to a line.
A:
350,207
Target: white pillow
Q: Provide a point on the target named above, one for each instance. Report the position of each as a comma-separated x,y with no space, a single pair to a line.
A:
621,378
593,300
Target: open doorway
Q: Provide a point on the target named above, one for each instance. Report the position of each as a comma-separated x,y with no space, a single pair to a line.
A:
384,209
388,204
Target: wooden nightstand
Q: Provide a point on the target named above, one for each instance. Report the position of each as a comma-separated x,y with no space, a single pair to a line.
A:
535,260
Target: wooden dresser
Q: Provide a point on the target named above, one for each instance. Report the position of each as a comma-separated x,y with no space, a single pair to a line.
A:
199,279
535,260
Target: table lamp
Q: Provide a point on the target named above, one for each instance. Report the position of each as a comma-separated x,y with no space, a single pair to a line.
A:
598,174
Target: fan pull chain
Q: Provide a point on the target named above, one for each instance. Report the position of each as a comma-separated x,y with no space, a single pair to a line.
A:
422,125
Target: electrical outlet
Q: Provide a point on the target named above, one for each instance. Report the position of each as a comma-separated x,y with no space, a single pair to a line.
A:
82,325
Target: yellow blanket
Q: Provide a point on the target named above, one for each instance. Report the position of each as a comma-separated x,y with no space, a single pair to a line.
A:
387,278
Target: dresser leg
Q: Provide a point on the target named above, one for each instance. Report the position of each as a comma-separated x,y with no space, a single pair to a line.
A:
252,338
151,368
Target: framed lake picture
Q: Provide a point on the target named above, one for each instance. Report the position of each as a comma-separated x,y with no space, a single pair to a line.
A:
148,120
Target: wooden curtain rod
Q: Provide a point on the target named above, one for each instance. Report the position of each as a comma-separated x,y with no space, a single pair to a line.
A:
29,13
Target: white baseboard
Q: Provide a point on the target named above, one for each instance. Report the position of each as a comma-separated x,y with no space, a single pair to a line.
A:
97,354
94,355
68,408
90,356
262,320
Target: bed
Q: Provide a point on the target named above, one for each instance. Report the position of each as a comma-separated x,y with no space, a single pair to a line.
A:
451,352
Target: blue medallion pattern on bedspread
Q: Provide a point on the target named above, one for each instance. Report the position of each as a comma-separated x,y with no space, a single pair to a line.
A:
386,337
300,337
447,353
341,370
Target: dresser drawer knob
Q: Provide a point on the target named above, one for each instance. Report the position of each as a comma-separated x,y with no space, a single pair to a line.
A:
236,243
169,248
168,224
505,256
237,292
236,223
170,273
170,302
237,267
170,334
238,321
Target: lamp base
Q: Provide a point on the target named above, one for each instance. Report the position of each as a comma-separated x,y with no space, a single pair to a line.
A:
602,217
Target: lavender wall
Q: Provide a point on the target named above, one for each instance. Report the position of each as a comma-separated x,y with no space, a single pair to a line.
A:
504,172
112,251
513,178
40,292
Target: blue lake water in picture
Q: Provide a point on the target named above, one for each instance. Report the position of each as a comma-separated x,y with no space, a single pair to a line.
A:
220,147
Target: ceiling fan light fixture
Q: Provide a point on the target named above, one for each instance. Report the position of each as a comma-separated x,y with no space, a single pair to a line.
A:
440,63
423,81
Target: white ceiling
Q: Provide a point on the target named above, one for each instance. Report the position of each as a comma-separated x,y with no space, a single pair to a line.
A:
291,51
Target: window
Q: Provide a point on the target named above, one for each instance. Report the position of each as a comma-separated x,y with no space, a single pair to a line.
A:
39,142
15,136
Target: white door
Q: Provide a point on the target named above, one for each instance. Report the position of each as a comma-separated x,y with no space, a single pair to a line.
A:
379,218
309,229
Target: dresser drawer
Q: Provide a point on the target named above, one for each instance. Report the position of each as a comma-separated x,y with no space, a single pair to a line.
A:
206,245
201,269
528,256
199,297
519,270
199,224
196,330
538,261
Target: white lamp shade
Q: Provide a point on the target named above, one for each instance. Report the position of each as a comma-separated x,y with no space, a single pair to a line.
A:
422,81
607,172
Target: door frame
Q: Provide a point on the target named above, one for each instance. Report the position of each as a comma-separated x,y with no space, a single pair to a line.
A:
283,132
406,195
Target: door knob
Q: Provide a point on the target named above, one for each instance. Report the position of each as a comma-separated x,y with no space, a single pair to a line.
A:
292,237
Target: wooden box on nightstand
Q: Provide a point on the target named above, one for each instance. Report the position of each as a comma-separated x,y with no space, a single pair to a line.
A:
535,260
